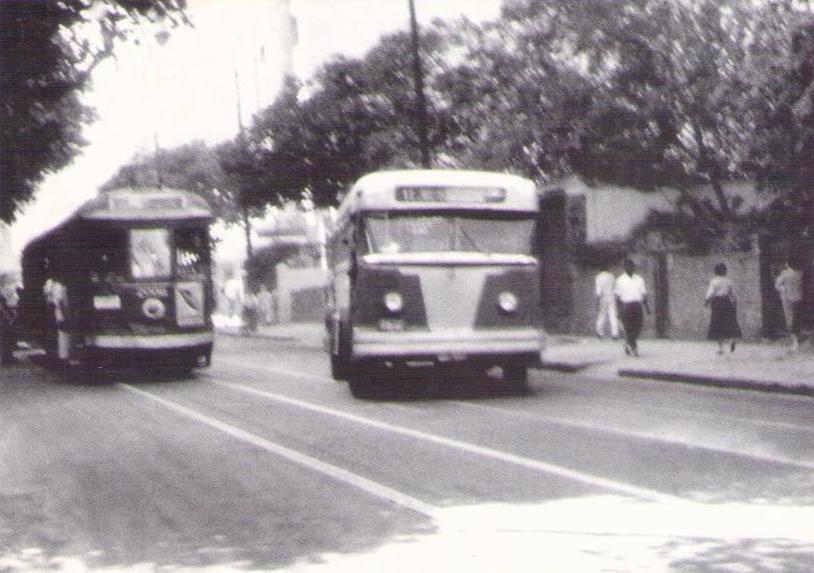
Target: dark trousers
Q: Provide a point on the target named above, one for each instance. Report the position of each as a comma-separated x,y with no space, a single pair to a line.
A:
631,316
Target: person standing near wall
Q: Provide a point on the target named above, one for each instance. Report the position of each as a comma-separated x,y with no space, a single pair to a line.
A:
723,321
8,339
631,298
605,303
789,285
264,300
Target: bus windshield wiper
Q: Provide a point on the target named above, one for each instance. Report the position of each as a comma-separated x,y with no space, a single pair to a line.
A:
469,238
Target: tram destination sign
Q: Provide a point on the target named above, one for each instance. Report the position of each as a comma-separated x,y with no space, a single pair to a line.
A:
448,194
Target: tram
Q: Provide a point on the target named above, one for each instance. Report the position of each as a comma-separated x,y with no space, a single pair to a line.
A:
124,281
434,266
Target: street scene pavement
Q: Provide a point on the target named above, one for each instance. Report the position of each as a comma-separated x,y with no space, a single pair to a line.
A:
765,366
263,462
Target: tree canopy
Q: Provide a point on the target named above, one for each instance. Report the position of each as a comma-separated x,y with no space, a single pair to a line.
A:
643,93
49,49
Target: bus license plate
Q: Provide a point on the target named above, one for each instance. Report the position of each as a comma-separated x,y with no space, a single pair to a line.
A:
391,325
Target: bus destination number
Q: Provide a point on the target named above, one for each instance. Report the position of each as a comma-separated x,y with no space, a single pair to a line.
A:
432,194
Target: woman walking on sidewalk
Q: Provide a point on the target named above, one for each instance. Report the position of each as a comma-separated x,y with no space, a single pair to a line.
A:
723,320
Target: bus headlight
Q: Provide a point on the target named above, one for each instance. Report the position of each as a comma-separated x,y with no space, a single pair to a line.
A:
507,302
107,302
393,302
153,308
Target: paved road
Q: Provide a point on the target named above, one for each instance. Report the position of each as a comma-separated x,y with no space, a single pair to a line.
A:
262,462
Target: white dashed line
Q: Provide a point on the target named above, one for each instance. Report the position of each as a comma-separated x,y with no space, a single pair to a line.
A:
552,469
374,488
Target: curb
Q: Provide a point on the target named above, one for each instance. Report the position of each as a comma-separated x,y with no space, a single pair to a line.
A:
568,367
280,337
713,381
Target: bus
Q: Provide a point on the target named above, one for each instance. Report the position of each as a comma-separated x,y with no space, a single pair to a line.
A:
124,281
434,267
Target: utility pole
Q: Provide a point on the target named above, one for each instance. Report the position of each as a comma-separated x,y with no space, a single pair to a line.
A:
241,138
420,100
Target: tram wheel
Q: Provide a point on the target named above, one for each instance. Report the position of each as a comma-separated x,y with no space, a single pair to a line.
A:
517,376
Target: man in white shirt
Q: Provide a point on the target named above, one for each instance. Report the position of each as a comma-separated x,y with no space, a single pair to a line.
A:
631,298
605,304
789,285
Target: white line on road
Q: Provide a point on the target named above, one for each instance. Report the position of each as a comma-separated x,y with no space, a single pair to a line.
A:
641,435
586,478
355,480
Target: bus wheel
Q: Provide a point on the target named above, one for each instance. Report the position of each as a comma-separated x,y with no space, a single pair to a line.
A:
517,377
361,388
340,362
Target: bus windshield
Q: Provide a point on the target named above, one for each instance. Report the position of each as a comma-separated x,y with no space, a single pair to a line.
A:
433,233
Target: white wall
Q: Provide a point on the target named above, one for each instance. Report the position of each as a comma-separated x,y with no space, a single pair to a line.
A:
290,281
612,212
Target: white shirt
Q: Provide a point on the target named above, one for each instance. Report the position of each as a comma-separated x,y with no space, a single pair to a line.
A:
790,285
630,288
604,284
719,286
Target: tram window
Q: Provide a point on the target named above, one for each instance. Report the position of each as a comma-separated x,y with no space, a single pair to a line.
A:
150,253
104,254
191,252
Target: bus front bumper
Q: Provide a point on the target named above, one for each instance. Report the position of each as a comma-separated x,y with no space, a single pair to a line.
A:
447,344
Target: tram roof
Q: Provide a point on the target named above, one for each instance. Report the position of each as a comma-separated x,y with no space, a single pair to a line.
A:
418,189
145,204
131,205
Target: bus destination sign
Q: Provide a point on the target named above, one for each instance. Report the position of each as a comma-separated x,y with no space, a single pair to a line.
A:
441,194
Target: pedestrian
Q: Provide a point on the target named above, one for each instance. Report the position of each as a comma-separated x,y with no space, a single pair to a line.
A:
233,290
631,298
8,338
264,300
789,285
605,303
723,320
250,313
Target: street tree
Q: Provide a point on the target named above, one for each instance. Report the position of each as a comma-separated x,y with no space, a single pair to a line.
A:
193,166
784,140
48,51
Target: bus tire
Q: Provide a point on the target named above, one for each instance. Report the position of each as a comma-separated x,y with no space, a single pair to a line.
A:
340,362
517,376
360,388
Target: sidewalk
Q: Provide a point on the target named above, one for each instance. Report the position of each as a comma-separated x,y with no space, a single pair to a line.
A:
757,366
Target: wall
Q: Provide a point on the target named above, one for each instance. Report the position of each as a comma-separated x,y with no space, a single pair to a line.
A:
584,316
612,212
689,278
299,293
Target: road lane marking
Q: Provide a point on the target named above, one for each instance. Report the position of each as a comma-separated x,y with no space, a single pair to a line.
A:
560,471
689,413
374,488
639,435
582,425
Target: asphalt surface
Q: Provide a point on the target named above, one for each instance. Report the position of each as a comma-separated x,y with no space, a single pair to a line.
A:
262,462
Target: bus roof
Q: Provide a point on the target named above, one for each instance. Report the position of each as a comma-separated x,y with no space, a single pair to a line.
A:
440,189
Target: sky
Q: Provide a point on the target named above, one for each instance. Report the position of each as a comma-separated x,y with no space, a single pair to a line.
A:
187,89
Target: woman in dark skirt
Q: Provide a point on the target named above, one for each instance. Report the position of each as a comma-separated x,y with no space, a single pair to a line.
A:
723,322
